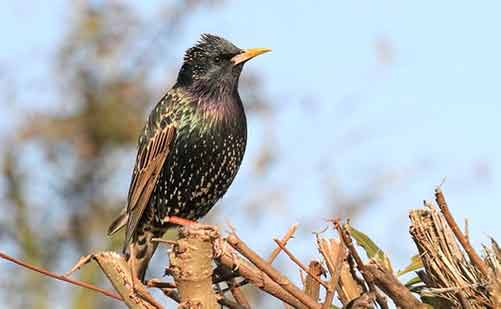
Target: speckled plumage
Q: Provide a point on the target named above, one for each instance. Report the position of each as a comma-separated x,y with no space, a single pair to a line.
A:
190,149
205,156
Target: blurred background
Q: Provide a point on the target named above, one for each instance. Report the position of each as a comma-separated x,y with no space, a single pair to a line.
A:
360,110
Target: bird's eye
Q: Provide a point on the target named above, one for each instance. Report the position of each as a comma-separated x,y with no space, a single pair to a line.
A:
217,59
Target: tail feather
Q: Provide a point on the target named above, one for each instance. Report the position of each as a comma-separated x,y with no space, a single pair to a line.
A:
141,250
119,222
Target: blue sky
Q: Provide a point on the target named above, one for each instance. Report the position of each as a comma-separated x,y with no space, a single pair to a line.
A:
433,112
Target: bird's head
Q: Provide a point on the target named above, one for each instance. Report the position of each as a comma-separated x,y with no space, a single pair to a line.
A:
214,64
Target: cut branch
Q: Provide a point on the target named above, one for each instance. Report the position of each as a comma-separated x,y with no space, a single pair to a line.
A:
334,254
346,237
191,266
444,208
276,276
135,295
311,286
387,282
252,274
237,293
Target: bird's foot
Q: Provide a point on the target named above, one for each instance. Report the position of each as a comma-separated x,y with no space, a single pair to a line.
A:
177,220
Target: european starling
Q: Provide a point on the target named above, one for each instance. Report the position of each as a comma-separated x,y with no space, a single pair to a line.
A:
190,148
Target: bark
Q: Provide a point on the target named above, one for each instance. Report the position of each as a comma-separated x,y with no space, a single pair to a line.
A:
191,266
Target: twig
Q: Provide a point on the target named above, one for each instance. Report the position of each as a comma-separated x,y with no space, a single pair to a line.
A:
60,277
363,301
348,287
466,230
134,293
288,235
475,259
171,293
311,286
157,283
284,240
223,273
385,280
353,273
164,241
330,249
237,294
276,276
252,274
230,304
346,237
298,262
462,299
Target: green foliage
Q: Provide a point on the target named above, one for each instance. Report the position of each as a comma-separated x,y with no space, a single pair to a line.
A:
415,264
413,281
370,247
101,77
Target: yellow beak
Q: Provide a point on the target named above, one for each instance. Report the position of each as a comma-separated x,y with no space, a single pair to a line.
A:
249,54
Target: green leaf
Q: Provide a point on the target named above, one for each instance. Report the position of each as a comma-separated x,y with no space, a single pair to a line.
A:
415,264
413,281
370,247
436,302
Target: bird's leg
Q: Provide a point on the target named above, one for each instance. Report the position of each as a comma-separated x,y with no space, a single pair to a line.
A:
133,272
178,220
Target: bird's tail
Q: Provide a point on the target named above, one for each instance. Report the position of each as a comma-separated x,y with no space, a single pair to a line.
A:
119,222
141,247
141,250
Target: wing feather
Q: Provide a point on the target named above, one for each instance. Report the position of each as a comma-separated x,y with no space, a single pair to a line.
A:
150,161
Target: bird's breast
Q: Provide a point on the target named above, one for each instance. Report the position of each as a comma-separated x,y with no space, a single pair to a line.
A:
201,166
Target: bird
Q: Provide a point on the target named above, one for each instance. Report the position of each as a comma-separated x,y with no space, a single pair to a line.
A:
189,150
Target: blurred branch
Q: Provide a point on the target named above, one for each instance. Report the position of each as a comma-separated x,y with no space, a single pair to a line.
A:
59,277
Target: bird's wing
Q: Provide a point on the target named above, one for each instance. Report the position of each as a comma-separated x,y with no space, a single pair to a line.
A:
150,160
